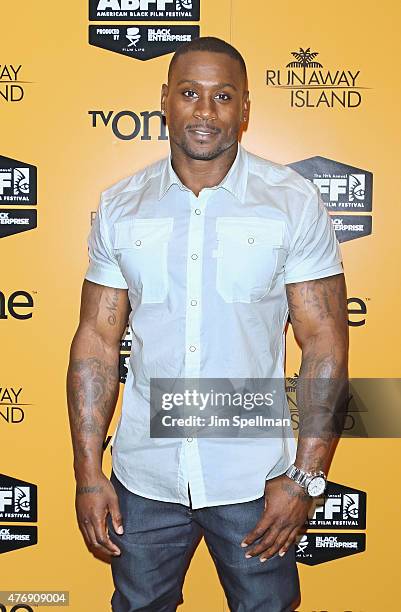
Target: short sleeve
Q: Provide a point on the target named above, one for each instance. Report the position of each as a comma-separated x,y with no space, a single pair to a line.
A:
103,267
314,251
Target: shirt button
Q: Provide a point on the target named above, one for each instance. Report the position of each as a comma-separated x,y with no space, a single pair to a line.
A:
197,211
138,242
251,240
194,302
194,256
192,348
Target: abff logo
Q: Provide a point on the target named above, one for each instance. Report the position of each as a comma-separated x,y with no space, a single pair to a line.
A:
18,186
18,500
343,507
17,182
344,189
142,10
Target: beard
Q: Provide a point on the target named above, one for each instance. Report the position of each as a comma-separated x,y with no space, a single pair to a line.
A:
199,154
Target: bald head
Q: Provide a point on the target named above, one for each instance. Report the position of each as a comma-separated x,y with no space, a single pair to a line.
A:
208,44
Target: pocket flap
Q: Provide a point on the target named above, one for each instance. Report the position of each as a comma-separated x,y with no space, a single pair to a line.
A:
251,230
140,233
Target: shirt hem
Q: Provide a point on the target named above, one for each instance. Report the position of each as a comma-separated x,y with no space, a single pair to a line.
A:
107,282
337,269
194,506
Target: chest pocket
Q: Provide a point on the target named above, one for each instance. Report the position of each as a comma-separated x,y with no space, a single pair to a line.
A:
142,248
247,257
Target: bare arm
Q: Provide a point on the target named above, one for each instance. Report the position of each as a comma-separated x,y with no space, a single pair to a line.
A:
92,391
319,318
318,311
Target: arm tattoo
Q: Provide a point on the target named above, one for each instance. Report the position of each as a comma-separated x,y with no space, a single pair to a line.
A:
94,489
319,306
289,489
112,303
92,394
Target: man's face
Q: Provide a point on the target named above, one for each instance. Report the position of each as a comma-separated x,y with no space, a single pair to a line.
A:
206,103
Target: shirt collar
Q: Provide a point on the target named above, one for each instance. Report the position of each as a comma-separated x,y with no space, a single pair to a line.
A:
235,180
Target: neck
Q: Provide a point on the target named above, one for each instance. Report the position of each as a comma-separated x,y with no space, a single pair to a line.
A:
197,174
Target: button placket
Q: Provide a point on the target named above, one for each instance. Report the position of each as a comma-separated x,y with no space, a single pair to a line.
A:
193,465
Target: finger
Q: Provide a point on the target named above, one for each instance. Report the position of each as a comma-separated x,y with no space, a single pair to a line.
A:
264,544
85,533
258,532
289,542
116,517
103,540
274,548
92,544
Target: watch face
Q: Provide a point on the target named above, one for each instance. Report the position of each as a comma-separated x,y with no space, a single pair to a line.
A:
316,486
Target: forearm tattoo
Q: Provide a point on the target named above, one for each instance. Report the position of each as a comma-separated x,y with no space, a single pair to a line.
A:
92,393
322,385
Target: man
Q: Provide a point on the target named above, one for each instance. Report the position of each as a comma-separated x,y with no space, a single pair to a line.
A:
211,249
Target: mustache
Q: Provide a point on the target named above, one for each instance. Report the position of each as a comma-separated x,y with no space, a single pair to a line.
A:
203,126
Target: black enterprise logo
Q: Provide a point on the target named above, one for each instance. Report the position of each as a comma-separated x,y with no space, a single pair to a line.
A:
310,85
144,10
316,548
141,42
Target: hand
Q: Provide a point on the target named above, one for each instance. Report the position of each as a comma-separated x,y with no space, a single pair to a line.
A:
92,503
286,510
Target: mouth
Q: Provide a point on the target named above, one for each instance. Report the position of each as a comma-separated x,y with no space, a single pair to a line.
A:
203,133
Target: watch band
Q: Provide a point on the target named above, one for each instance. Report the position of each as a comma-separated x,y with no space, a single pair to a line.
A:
301,477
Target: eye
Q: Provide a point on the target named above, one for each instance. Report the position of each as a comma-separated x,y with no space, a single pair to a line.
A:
224,97
189,93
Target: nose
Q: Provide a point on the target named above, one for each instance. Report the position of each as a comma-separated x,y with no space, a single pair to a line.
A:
205,109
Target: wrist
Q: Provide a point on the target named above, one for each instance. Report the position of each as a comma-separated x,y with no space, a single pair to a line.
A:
313,483
87,471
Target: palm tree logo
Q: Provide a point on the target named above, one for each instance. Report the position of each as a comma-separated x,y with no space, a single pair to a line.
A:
304,59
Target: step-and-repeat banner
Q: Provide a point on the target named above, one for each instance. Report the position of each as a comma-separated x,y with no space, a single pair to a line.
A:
79,110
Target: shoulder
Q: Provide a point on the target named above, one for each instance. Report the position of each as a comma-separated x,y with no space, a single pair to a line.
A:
135,182
274,174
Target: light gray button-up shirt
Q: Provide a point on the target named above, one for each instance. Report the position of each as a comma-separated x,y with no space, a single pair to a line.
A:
206,281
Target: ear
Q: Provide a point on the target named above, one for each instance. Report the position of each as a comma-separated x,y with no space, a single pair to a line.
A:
164,94
245,107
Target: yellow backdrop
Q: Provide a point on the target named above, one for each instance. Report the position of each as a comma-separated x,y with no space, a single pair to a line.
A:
63,78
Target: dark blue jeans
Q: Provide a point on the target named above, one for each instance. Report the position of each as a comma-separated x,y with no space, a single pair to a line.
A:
160,538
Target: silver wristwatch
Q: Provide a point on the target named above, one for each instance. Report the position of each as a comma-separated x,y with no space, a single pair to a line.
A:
314,483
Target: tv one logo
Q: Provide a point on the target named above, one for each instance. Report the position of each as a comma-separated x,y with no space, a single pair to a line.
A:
18,305
128,125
